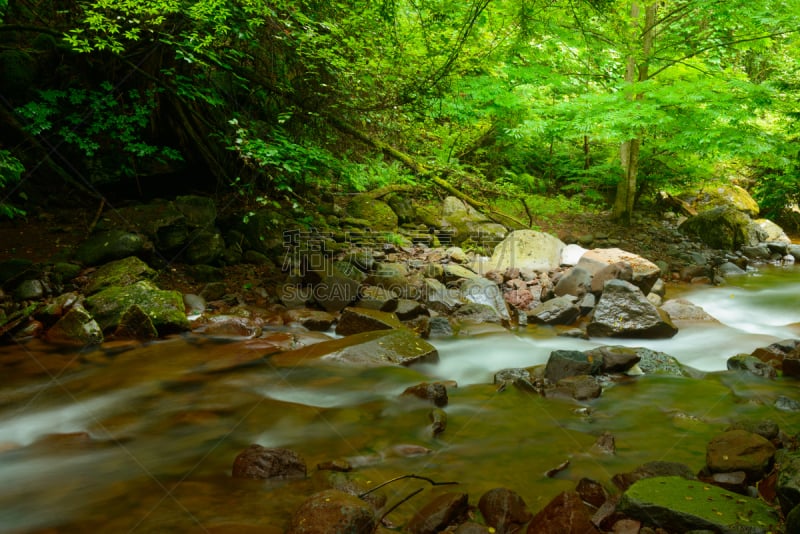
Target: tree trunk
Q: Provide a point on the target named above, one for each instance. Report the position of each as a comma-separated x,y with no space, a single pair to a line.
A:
629,150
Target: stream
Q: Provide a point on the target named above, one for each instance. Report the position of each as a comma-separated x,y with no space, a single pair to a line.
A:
142,439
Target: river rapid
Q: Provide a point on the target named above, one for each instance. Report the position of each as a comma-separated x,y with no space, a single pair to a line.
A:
142,439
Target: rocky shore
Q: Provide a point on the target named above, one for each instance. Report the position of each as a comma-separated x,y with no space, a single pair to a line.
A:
387,276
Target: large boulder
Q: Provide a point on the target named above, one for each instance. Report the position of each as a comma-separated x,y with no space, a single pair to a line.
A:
724,228
681,505
380,215
723,195
774,233
525,250
110,245
165,308
368,349
644,272
624,311
462,222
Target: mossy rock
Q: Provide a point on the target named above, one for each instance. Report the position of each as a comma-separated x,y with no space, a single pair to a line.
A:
723,228
381,217
165,308
122,272
681,505
724,195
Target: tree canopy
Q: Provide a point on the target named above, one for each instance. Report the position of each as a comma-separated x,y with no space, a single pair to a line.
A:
603,101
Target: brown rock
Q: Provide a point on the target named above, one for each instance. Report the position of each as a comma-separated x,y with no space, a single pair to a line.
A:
357,320
581,387
316,320
259,462
444,510
739,450
333,511
565,514
504,510
592,492
435,392
408,309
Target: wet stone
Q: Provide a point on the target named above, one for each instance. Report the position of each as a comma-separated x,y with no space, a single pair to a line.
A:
435,392
316,320
592,492
739,450
438,514
358,320
260,462
566,513
332,511
504,510
564,363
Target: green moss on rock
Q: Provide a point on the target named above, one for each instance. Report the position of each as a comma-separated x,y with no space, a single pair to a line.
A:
378,213
680,505
122,272
164,308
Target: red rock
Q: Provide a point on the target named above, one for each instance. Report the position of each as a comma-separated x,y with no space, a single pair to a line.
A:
565,514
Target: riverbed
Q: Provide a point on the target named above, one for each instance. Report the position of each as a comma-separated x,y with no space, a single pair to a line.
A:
142,439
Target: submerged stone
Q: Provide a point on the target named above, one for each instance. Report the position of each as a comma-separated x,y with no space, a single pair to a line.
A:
376,348
261,462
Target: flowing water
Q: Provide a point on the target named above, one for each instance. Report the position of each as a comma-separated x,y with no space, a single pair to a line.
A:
142,439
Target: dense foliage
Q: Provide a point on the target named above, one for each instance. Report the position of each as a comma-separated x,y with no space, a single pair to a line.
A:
585,99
